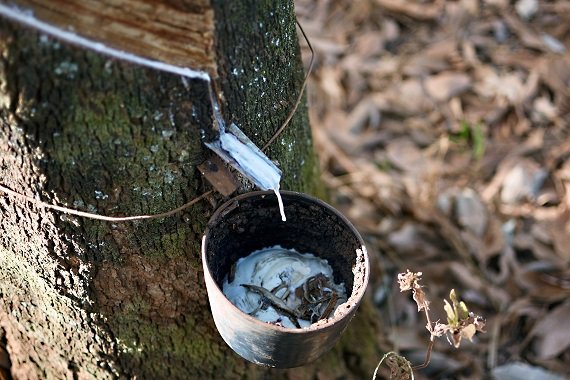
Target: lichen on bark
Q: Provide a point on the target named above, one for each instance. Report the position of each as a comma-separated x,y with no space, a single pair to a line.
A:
262,73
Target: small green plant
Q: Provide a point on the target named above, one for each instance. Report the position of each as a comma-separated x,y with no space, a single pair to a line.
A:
461,323
471,135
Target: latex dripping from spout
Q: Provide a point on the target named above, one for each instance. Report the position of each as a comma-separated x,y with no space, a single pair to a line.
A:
235,148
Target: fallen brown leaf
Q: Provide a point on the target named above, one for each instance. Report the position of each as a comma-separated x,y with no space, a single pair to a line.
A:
552,332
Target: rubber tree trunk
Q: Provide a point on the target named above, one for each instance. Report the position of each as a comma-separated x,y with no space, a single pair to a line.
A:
89,299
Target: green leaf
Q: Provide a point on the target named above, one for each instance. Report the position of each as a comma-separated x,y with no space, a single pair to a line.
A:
451,316
463,311
453,296
478,136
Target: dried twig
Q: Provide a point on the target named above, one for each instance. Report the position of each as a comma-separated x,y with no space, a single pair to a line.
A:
460,322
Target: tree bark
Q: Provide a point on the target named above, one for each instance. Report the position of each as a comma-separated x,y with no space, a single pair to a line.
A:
85,299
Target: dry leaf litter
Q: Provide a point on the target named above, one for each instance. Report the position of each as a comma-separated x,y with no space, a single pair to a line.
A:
442,131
